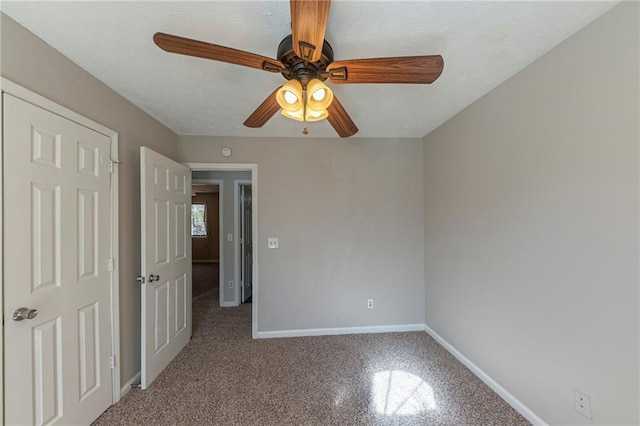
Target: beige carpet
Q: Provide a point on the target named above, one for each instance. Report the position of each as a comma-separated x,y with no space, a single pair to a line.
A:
224,377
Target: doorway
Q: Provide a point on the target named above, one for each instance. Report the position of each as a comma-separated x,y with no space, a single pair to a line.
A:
229,254
205,236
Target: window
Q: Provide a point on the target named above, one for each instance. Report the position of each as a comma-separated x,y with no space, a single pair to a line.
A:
198,220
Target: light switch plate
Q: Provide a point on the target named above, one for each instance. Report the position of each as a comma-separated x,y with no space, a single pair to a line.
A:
229,237
272,242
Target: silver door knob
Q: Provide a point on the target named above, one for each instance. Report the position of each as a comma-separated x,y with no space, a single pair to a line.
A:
24,313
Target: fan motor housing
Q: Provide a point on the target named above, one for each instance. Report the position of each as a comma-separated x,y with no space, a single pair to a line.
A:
299,69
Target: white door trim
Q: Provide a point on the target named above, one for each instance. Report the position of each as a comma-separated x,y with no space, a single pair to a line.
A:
220,184
7,86
253,168
236,229
2,253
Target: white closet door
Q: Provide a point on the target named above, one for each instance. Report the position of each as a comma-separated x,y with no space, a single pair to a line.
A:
56,262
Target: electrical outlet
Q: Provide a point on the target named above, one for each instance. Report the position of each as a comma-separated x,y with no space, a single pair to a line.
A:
230,284
370,303
583,403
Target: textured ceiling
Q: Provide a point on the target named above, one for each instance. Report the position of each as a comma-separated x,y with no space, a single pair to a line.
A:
483,44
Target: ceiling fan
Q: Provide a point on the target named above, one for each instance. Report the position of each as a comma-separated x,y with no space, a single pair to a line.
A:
305,59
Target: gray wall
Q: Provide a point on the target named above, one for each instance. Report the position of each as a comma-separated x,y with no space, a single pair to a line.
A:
227,268
28,61
531,227
350,218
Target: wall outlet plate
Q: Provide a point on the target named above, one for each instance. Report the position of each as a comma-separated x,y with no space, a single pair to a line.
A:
582,403
272,243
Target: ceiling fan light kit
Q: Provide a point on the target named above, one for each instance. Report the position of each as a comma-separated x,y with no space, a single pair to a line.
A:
320,96
289,96
313,115
304,104
305,96
294,115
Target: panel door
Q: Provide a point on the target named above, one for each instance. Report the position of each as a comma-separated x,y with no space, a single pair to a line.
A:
165,188
56,261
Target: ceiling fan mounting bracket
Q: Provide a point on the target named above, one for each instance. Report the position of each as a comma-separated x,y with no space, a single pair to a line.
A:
300,68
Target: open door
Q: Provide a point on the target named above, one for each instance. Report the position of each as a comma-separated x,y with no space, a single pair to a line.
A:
165,190
246,243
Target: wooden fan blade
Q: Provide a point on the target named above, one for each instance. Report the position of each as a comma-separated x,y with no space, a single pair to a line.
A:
308,25
406,69
264,112
201,49
340,120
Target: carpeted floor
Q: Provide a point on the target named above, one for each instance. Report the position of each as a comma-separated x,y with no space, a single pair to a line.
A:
223,377
205,278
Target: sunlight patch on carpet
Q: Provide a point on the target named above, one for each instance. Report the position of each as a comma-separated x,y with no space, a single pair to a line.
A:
397,392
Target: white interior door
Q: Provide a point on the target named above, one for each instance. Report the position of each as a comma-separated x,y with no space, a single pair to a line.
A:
246,246
165,188
56,263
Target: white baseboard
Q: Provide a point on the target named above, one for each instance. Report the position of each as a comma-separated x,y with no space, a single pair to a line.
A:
337,331
127,386
495,386
228,304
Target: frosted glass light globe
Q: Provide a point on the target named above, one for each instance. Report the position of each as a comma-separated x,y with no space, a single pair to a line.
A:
318,95
290,97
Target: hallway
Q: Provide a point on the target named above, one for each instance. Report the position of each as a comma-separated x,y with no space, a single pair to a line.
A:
206,277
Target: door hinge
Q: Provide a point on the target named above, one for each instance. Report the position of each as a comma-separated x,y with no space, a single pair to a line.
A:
105,159
112,361
111,163
110,264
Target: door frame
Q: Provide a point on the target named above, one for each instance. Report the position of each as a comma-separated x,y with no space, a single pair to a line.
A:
242,167
236,229
14,89
220,184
